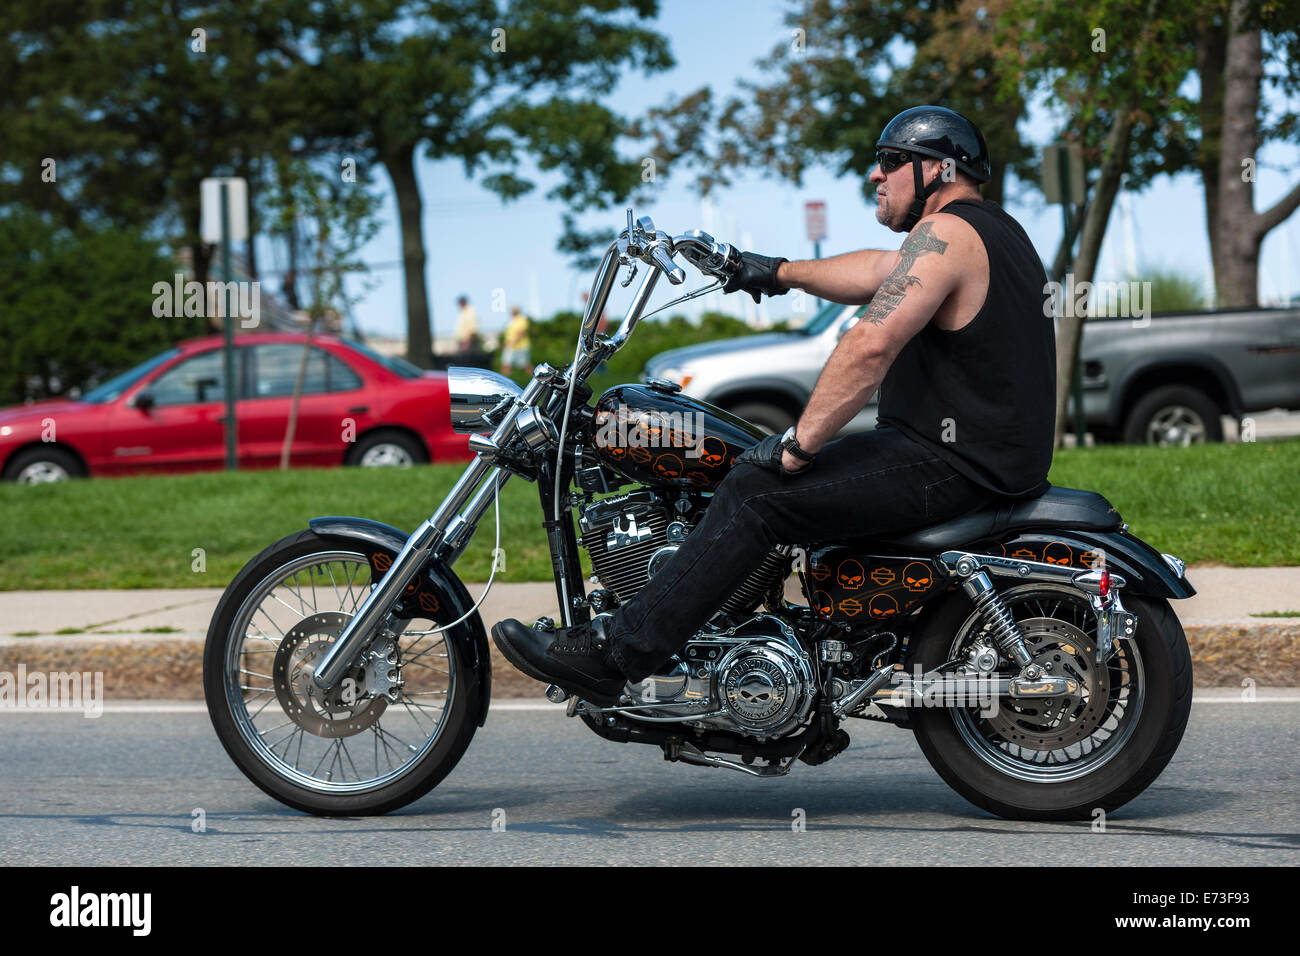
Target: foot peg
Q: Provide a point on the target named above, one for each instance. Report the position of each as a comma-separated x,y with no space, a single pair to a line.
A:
556,694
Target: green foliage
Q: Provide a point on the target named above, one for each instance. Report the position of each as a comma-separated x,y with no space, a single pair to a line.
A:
1174,291
78,304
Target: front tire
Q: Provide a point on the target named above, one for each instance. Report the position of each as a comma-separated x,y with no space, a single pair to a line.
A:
278,616
1142,699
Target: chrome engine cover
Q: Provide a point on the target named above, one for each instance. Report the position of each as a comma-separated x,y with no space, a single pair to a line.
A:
754,679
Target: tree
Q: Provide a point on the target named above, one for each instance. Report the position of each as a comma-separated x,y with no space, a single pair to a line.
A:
1231,60
847,67
79,304
483,82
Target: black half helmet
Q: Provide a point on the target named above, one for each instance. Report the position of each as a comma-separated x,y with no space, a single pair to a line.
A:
941,133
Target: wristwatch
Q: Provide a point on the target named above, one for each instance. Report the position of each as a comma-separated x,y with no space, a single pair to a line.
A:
789,443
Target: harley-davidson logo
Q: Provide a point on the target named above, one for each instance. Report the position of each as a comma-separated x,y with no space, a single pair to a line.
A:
851,606
821,572
882,575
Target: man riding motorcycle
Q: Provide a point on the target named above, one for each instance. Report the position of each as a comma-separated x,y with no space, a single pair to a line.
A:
957,340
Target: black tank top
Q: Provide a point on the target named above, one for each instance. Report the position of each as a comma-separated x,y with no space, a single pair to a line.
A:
984,397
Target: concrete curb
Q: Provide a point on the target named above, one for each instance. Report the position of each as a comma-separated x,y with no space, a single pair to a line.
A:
1225,653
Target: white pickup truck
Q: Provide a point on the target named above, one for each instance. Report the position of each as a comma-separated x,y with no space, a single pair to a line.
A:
1166,379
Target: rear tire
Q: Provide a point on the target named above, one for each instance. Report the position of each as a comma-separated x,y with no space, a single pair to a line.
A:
1165,670
1173,415
43,464
387,448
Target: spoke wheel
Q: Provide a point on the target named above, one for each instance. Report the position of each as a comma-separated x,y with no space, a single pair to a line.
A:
1063,758
387,733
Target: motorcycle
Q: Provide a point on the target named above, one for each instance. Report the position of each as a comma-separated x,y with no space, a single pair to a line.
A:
1029,645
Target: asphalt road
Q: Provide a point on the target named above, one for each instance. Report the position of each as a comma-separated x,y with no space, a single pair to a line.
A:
121,789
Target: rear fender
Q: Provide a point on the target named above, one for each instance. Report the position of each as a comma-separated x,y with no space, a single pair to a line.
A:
436,593
1143,567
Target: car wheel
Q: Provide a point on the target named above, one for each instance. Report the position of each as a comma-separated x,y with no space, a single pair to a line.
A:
1173,415
771,418
42,465
387,449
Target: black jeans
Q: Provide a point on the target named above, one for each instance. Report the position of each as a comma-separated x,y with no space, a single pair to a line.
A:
869,483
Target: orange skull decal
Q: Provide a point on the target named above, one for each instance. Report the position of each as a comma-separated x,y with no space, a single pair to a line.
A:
617,452
851,606
821,572
850,575
668,466
917,577
1058,553
883,575
823,603
712,452
699,479
882,605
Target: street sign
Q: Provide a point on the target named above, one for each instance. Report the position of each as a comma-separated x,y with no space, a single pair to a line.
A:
815,218
1063,173
210,208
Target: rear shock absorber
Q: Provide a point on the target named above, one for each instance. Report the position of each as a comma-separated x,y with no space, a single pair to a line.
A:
990,605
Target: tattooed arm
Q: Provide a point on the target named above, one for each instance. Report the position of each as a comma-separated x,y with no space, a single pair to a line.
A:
938,255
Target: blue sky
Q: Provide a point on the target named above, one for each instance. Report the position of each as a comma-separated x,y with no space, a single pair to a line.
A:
477,245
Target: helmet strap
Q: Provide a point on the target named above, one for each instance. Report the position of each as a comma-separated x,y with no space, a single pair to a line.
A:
922,192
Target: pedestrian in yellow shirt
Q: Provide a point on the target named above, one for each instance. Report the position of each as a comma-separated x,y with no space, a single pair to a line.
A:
514,342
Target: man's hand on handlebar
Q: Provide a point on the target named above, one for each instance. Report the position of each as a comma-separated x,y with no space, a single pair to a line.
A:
756,275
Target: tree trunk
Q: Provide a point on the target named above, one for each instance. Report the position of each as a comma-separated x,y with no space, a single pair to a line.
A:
400,164
1238,268
1210,51
1070,331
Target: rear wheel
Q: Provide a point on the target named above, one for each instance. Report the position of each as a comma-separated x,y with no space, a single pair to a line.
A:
1173,415
1060,759
395,726
387,449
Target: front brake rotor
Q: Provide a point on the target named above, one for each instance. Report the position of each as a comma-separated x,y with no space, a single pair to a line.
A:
1062,650
342,711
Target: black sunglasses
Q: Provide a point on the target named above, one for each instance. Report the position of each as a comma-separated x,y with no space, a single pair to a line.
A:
890,161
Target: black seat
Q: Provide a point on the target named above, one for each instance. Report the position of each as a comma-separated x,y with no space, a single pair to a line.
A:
1064,509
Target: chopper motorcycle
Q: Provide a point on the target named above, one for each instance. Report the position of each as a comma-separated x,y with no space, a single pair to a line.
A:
1029,645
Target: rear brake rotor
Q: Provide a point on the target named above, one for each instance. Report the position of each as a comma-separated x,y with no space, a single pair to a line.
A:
1062,650
340,712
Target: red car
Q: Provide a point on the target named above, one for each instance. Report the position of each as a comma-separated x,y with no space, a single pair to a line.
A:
358,408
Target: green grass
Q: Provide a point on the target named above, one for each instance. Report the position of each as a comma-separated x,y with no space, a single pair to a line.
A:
1276,614
1221,504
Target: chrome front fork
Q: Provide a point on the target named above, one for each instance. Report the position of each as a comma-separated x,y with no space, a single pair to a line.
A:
448,528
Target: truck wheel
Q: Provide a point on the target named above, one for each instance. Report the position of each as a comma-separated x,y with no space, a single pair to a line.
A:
770,418
1173,415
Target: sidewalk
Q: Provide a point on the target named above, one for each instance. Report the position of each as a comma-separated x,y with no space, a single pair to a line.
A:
149,642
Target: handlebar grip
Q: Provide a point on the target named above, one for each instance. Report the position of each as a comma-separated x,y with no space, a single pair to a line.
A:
675,273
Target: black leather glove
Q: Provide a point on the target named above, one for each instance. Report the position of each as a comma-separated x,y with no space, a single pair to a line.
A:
767,455
757,274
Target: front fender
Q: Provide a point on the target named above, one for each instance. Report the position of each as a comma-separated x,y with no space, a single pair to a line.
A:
452,599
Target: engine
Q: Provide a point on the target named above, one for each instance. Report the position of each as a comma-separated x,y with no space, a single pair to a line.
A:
754,679
630,536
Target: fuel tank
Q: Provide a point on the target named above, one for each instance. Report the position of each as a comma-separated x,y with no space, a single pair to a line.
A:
651,434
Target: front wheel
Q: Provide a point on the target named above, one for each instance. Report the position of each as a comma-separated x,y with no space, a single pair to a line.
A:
1060,759
394,727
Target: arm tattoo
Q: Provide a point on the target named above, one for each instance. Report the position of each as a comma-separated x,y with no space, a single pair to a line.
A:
895,285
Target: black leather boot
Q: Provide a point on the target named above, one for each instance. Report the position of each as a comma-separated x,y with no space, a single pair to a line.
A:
575,658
